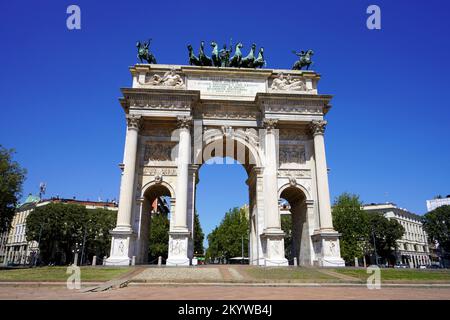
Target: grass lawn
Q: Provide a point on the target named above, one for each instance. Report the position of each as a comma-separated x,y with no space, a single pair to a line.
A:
400,275
286,274
59,274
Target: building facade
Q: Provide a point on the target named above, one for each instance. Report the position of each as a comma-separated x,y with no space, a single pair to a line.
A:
19,251
438,202
413,249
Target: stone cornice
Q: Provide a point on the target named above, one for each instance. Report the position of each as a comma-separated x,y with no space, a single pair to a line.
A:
158,98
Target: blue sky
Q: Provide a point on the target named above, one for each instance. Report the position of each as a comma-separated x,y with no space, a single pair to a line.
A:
388,132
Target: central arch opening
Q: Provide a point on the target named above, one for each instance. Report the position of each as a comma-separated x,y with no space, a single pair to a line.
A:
155,223
293,212
223,200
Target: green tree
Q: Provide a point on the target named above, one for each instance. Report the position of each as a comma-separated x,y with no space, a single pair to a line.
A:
352,222
98,225
62,228
159,237
199,236
11,180
386,233
286,226
225,241
437,225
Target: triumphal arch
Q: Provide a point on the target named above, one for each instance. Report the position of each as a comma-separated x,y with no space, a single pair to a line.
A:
270,121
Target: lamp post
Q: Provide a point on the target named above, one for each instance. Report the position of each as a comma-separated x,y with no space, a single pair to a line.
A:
375,247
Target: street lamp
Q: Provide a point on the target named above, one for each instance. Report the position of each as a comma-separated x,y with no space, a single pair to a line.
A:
375,247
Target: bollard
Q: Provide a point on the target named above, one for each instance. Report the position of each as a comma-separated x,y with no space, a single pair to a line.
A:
94,261
295,262
104,260
159,261
75,259
356,262
133,260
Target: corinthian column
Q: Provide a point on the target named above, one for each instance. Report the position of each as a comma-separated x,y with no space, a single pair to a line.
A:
323,193
179,232
127,182
270,177
184,159
122,236
272,235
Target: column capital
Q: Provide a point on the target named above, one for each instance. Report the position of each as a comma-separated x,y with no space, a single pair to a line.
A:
317,127
184,122
270,124
134,121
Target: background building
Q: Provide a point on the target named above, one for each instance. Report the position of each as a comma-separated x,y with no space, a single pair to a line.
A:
413,247
438,202
17,250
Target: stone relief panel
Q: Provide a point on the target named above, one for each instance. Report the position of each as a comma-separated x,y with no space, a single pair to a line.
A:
299,174
158,132
292,154
292,135
159,102
288,83
170,79
309,107
331,248
215,111
159,151
158,171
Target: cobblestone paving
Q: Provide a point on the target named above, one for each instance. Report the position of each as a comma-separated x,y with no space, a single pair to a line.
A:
149,292
179,274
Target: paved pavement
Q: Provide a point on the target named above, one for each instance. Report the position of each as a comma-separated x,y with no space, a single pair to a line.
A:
219,292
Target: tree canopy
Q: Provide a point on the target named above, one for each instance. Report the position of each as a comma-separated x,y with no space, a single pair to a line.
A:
62,228
352,222
159,237
359,228
225,241
11,180
437,225
199,236
386,233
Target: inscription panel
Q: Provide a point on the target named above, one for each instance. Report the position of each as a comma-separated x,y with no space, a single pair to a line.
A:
222,88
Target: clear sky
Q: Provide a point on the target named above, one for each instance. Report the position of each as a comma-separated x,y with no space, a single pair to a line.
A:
388,132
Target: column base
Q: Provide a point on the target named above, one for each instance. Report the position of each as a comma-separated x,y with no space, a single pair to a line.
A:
327,249
273,247
120,247
178,248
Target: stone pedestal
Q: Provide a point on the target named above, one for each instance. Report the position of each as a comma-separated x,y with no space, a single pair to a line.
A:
327,250
120,244
273,243
178,248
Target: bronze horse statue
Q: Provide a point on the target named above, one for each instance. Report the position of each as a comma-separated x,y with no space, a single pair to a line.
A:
144,53
304,59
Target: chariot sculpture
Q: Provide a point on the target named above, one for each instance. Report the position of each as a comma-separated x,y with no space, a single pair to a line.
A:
223,57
